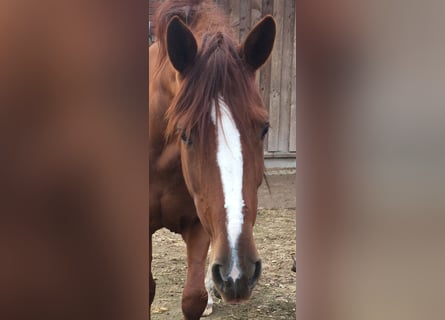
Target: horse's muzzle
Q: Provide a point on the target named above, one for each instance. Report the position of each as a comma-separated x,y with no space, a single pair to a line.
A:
237,290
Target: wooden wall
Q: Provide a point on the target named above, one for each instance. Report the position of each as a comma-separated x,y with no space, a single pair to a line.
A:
277,79
152,6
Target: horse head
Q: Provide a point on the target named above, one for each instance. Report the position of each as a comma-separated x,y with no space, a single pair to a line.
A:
220,122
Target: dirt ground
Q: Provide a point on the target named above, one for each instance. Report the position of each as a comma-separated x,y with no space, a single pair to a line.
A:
273,297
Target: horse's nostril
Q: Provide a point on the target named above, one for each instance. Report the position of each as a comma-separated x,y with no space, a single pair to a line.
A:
256,274
216,274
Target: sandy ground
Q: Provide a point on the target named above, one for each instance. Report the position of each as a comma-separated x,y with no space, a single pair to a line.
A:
274,296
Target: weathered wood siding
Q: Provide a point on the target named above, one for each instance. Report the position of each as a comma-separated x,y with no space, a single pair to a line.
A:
277,78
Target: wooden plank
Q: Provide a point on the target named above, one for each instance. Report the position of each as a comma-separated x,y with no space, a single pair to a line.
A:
255,16
255,12
224,4
267,7
244,19
234,16
275,82
293,100
265,74
286,75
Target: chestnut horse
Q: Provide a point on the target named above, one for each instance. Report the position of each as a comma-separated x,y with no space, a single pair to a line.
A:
207,124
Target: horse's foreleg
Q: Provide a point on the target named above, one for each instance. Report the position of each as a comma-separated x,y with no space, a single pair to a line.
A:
209,288
194,296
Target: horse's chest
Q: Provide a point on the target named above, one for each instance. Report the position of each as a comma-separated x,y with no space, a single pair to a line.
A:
171,205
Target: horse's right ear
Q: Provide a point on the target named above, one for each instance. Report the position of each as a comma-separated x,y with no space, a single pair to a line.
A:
181,45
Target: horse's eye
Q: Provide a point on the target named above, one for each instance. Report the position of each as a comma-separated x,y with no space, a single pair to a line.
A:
265,130
185,139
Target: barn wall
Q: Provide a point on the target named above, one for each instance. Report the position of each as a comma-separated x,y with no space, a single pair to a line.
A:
152,6
277,78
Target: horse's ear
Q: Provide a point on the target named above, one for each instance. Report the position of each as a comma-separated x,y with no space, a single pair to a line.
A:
259,43
181,45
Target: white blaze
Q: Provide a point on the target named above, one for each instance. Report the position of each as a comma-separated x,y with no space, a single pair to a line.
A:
230,162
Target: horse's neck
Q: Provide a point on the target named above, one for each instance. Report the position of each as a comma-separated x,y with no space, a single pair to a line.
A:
163,88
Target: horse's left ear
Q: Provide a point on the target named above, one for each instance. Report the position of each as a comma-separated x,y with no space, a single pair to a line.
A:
259,43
